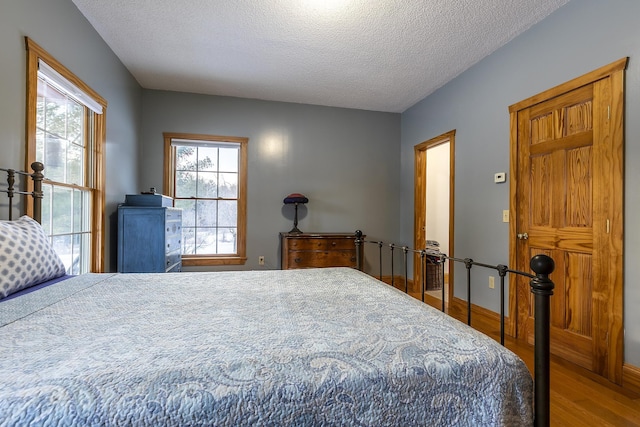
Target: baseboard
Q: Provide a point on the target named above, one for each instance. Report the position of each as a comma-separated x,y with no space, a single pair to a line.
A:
631,378
482,319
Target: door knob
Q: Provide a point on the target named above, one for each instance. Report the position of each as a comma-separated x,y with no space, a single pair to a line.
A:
523,236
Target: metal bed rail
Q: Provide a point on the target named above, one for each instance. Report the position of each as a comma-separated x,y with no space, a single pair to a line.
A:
540,284
37,177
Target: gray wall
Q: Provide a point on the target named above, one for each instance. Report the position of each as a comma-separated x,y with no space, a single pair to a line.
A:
345,161
581,36
60,28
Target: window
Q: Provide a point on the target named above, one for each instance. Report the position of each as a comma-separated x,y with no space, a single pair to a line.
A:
65,131
207,177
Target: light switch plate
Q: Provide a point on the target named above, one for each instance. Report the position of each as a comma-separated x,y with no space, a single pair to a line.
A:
505,215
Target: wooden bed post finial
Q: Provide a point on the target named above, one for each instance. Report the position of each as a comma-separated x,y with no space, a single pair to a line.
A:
542,288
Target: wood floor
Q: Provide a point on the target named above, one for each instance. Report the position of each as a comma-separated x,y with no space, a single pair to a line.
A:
580,398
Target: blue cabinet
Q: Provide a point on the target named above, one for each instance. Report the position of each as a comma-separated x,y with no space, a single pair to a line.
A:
149,239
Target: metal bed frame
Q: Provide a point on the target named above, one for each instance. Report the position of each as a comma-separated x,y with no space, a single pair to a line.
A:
37,177
541,286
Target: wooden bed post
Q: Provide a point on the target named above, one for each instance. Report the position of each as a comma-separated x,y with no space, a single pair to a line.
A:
37,176
542,288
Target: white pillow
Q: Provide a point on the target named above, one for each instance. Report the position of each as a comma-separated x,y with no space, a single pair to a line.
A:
26,256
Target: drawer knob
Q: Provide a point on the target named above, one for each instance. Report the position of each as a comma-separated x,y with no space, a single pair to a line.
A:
297,260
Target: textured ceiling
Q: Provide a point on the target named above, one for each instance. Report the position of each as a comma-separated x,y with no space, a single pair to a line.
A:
382,55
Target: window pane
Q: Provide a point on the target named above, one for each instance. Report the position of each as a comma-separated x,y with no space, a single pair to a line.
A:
188,212
62,209
75,123
227,240
77,211
207,185
87,208
81,218
207,213
186,158
227,213
64,248
75,165
76,259
228,159
47,194
206,241
40,102
55,112
80,254
40,148
188,240
55,157
186,184
228,186
207,159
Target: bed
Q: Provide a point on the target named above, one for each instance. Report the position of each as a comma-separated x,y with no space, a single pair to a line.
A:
327,346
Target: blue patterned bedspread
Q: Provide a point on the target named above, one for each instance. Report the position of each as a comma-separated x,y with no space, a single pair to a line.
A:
268,348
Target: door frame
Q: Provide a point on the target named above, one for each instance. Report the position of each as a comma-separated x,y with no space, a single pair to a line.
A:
608,351
420,206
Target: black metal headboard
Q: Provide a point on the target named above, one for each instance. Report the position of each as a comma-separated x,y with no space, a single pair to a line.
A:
36,176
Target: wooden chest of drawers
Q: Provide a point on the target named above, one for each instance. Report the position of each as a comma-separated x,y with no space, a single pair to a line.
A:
149,239
311,250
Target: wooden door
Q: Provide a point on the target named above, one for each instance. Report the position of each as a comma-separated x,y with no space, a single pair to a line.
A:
567,169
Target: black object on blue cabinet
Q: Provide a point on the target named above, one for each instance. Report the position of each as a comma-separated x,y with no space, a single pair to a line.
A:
149,235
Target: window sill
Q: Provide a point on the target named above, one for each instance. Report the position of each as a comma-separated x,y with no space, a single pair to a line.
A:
201,260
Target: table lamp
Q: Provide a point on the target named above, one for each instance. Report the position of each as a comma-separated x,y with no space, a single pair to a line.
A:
295,199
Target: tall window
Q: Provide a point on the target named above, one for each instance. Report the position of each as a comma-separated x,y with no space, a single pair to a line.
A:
65,123
206,176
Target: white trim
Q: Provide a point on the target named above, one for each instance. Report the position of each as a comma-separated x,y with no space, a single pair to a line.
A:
176,142
59,82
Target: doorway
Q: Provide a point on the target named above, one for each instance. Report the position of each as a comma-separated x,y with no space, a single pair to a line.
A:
567,198
433,216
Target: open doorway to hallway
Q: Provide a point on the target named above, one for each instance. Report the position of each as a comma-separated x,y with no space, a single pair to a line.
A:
433,217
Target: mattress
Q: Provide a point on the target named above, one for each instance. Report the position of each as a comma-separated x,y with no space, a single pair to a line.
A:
297,347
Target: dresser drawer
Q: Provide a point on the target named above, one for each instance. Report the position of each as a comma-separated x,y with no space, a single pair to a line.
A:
173,227
317,250
173,214
319,259
322,243
173,260
173,243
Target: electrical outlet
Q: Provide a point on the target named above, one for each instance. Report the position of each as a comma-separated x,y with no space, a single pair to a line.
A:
505,215
492,282
261,260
